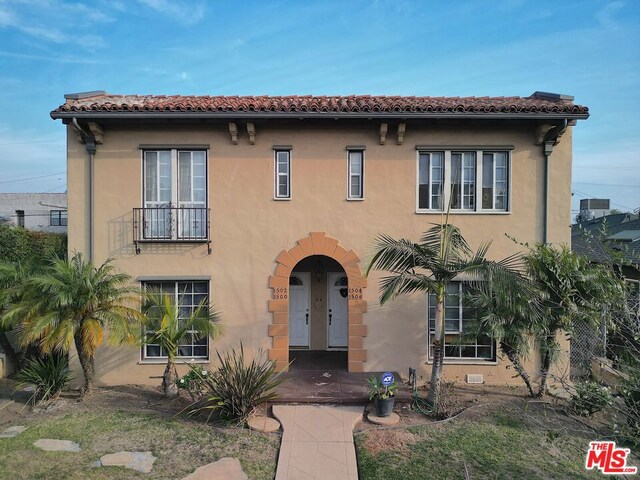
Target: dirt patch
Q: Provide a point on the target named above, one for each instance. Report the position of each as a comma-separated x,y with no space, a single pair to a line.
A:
394,440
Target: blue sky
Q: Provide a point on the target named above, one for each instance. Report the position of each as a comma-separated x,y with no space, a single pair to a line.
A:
589,49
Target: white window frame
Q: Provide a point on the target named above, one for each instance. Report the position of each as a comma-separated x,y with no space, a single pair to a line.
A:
492,360
443,177
175,185
508,180
447,181
350,195
277,175
144,358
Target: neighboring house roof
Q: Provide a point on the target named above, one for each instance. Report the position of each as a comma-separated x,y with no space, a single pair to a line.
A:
597,238
539,104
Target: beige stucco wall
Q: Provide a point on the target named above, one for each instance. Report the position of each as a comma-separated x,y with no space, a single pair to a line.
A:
249,229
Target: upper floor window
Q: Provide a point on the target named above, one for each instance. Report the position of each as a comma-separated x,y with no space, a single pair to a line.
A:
356,175
58,218
283,174
175,194
457,345
450,178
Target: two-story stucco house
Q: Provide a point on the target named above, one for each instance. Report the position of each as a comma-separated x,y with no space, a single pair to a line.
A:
268,206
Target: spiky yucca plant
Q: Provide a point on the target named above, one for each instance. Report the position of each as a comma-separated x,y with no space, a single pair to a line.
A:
49,375
238,386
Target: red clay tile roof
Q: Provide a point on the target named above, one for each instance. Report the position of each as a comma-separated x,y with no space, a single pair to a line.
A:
105,103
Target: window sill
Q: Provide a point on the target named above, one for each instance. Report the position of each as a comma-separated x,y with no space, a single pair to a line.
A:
177,362
281,199
463,212
471,361
355,199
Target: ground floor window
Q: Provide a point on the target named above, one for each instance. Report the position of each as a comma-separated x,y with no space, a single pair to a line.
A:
188,295
456,317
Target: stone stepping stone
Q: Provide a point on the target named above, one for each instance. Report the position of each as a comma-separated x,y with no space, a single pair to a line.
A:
13,431
53,445
390,420
263,424
226,468
139,461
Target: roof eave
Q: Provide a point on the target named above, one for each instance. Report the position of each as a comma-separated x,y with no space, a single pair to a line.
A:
324,115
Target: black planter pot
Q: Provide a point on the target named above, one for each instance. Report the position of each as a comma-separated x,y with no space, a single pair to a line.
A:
383,407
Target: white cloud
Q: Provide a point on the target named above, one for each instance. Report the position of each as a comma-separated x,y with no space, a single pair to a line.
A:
188,13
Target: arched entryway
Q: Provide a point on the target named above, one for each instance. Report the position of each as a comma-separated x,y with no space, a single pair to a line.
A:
320,246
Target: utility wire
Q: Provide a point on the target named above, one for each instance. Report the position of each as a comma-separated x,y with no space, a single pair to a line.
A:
31,178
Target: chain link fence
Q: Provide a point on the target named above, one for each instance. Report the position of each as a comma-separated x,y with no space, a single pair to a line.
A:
586,342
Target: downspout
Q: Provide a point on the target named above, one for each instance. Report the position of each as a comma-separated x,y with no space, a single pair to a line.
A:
550,139
89,141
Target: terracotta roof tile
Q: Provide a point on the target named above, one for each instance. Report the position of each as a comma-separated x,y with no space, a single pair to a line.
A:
318,104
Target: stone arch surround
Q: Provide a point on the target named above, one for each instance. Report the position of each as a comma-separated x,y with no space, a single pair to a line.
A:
317,243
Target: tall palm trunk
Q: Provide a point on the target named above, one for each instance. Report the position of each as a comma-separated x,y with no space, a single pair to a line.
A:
86,362
513,356
169,386
438,352
545,364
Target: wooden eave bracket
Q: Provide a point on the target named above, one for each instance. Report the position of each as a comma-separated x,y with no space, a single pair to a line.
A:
401,129
95,130
251,130
383,133
233,130
541,132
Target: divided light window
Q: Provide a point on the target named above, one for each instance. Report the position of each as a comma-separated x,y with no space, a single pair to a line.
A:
175,194
457,318
58,218
283,174
356,174
453,177
188,295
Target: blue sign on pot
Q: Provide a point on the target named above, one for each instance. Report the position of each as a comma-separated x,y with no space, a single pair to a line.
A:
386,378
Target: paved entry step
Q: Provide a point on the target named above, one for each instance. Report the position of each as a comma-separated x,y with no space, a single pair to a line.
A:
317,442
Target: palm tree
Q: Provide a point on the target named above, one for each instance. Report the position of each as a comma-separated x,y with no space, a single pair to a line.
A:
509,316
74,302
572,289
167,327
429,266
12,277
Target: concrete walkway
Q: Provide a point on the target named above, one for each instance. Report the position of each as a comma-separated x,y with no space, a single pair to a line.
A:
317,442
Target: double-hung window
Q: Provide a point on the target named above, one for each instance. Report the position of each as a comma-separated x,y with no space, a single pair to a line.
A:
58,218
175,194
355,162
430,181
282,174
457,317
494,180
188,295
463,180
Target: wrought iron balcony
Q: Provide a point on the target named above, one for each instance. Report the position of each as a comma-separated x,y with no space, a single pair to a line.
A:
171,225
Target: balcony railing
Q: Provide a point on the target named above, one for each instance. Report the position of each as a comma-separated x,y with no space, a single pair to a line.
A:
171,225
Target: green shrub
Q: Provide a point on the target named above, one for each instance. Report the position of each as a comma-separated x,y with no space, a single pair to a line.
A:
49,375
590,397
193,382
20,245
630,393
238,387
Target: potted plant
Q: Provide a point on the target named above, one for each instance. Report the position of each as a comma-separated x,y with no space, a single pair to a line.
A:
383,397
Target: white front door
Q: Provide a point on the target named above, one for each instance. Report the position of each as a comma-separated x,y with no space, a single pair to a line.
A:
299,292
338,323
